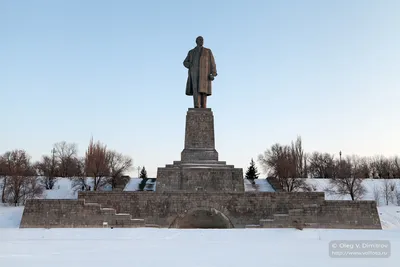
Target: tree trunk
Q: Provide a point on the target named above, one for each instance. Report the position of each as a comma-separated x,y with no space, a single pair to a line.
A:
3,195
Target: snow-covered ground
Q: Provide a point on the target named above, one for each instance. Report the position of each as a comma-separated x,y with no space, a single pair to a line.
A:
10,217
370,185
189,248
133,184
62,190
261,185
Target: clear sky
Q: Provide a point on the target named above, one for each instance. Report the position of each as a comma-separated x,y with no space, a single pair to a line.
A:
326,70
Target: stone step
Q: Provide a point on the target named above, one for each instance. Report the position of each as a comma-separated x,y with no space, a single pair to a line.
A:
207,167
310,205
252,226
136,220
200,162
129,223
312,225
92,204
116,220
123,216
296,211
266,220
281,217
108,211
190,165
152,225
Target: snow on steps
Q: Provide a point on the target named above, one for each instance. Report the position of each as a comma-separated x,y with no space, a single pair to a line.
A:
117,220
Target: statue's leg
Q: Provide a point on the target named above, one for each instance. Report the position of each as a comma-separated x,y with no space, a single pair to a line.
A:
195,84
203,100
196,98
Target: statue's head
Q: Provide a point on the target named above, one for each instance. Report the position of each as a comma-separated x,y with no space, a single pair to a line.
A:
200,41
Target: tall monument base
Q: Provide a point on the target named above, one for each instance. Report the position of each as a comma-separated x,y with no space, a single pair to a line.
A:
199,168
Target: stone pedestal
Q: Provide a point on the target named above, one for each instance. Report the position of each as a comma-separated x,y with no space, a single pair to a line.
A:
199,136
199,168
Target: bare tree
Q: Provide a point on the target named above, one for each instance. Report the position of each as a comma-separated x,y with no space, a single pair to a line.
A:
282,162
381,167
388,191
3,168
348,182
79,180
364,167
395,166
349,186
299,158
21,179
47,168
377,195
322,165
66,154
97,164
360,167
118,164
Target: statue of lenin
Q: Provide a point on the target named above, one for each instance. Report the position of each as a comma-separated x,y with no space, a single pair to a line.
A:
201,71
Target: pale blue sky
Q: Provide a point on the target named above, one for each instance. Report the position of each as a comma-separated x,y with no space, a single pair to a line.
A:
326,70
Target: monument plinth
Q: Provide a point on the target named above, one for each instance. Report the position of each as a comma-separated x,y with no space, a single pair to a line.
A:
199,136
199,168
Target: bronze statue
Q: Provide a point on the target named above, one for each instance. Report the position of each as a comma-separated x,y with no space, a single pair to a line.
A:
202,70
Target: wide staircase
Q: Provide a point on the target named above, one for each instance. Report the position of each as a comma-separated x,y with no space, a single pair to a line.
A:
306,216
113,219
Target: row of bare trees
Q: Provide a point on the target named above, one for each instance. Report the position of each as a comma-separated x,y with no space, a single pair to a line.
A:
22,178
292,160
290,164
324,165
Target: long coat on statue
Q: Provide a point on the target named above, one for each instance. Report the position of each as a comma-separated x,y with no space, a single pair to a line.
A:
206,67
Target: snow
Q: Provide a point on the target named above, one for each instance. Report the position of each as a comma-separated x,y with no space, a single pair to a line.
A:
10,217
62,190
194,248
261,185
370,184
133,184
390,217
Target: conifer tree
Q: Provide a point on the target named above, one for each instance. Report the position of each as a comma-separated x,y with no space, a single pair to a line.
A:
143,175
252,172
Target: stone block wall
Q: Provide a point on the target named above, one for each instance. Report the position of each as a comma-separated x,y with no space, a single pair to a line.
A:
53,213
224,179
267,209
199,136
348,214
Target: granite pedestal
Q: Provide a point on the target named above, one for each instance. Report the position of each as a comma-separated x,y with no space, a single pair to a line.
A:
199,168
